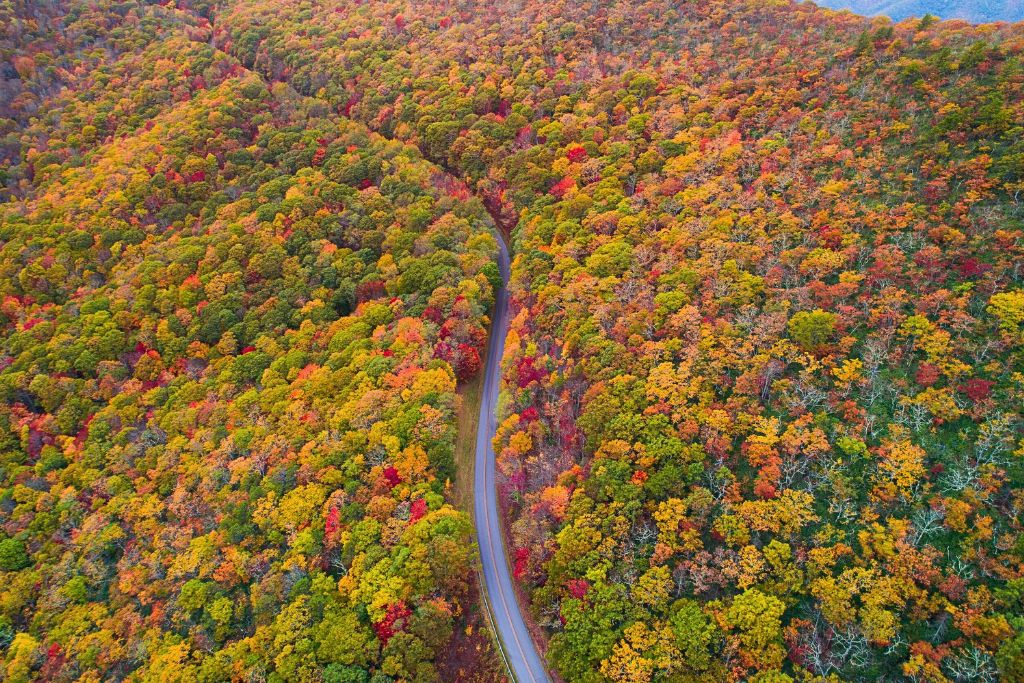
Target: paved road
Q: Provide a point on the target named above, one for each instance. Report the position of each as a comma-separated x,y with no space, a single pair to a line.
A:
517,646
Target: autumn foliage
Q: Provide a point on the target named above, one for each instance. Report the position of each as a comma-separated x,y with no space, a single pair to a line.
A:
226,434
762,386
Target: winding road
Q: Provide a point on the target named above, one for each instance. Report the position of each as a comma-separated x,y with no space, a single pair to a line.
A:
518,649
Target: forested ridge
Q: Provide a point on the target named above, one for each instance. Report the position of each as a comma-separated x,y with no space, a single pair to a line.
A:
762,392
233,327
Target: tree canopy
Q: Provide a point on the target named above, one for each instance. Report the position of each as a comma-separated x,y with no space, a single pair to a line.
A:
761,392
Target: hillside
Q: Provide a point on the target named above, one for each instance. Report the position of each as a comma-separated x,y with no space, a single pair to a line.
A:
761,414
232,331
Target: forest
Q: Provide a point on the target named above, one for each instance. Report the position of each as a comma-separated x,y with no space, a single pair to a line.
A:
762,393
232,331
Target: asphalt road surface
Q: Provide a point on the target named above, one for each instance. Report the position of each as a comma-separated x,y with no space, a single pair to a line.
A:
517,646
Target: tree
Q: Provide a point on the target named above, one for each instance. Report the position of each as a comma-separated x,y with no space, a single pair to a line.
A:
696,636
13,555
1008,308
811,330
757,621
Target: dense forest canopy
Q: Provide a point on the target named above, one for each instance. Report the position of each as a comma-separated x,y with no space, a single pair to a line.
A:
762,391
232,330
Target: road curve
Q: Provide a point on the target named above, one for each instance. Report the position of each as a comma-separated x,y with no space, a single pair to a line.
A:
518,648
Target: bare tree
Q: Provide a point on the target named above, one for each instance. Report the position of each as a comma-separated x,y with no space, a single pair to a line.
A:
959,477
926,522
973,665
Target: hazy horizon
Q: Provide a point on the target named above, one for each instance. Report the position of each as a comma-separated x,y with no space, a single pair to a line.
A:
897,10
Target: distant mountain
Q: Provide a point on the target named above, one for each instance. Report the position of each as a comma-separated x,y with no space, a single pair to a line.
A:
972,10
